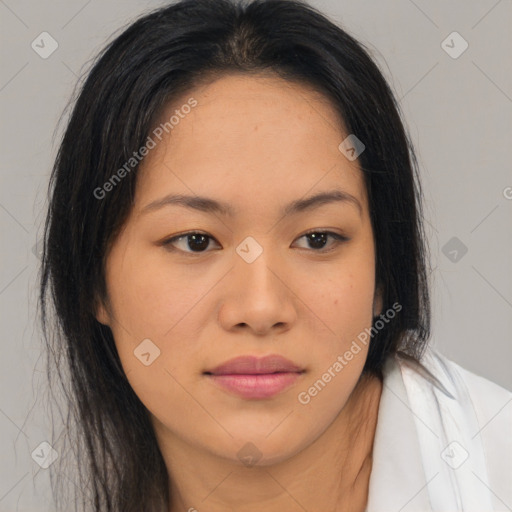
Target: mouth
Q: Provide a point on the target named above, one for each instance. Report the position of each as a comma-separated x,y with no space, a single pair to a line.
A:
252,377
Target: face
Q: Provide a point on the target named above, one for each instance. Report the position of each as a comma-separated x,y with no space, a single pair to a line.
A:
192,285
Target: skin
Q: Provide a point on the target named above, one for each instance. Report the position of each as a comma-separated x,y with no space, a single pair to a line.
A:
257,143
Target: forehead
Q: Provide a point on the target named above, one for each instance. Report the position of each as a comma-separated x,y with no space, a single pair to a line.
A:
243,103
249,134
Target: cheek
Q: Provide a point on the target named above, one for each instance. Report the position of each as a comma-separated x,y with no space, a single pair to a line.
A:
342,306
155,334
151,297
156,311
340,298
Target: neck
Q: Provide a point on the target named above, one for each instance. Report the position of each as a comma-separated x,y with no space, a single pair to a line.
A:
330,474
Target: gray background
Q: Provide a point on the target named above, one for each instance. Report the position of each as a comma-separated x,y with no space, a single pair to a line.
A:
458,112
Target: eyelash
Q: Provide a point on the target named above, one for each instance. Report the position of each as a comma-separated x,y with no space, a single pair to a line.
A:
340,239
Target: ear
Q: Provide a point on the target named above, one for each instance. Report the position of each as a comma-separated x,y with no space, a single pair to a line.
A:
101,313
378,301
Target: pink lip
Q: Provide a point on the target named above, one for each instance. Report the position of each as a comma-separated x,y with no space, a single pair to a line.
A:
253,377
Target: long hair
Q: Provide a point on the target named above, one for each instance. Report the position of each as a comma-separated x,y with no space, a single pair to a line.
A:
153,61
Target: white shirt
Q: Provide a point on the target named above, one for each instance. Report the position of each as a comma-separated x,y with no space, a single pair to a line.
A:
443,440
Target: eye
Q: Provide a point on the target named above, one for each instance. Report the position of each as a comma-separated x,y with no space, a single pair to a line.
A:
193,241
196,242
318,240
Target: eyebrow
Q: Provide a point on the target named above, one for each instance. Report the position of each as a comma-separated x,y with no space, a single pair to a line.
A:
208,205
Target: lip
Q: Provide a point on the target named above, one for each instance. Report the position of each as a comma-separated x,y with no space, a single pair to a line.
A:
255,377
255,365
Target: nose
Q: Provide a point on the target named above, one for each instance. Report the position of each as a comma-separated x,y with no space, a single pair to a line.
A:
259,298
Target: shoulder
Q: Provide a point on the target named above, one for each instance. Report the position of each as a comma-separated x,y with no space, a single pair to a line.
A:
471,418
452,379
442,440
482,390
455,386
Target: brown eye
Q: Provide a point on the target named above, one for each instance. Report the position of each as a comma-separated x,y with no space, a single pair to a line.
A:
189,242
318,240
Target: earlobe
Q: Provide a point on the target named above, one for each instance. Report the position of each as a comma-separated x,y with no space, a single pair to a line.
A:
101,313
377,301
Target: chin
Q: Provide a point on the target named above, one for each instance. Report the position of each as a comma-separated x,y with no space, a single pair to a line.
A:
258,449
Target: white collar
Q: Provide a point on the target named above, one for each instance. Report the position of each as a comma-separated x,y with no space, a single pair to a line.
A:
425,455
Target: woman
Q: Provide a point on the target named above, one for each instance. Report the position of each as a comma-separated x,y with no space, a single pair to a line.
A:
236,259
